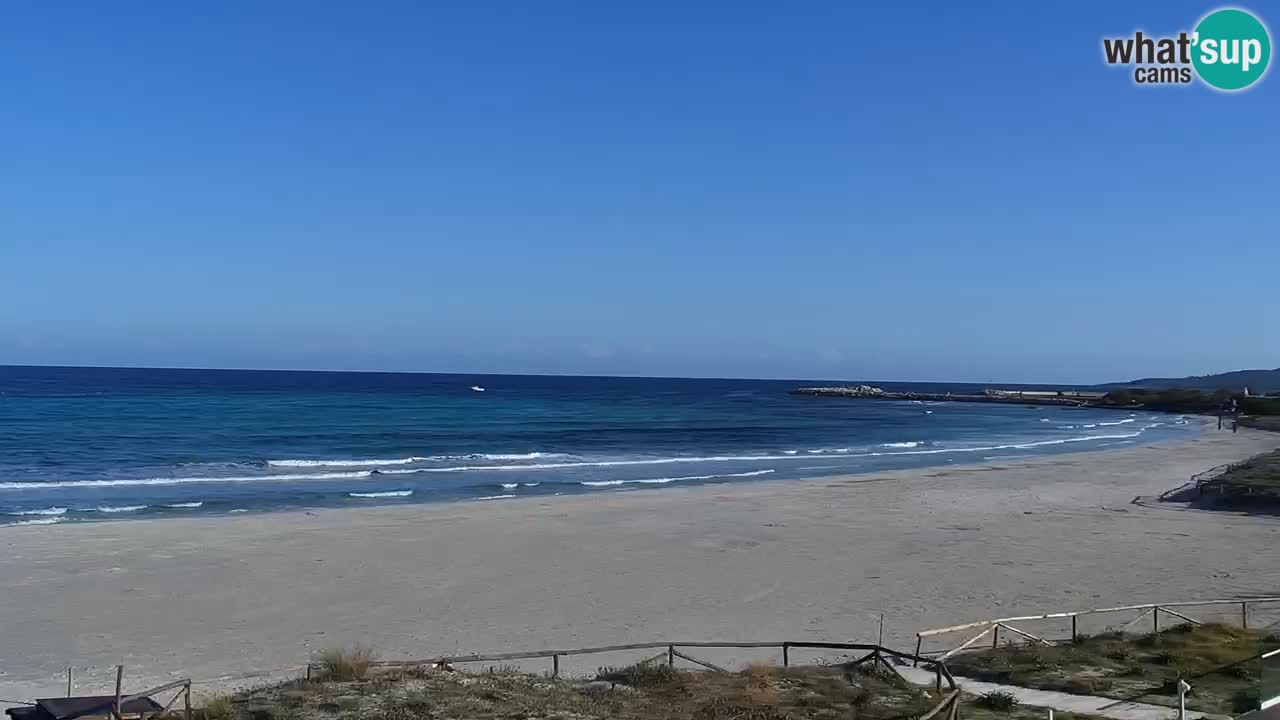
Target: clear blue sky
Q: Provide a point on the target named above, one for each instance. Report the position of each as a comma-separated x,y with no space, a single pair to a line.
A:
930,191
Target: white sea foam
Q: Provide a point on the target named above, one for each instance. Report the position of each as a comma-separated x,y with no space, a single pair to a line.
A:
1118,422
346,463
790,452
411,460
532,484
180,480
664,480
42,511
388,493
196,504
120,508
910,444
39,521
495,497
575,463
749,458
510,486
239,510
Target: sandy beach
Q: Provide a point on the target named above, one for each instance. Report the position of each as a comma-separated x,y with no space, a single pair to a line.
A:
217,596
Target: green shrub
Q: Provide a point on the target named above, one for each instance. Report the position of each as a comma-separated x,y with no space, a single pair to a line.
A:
1123,655
639,675
1239,671
346,664
998,700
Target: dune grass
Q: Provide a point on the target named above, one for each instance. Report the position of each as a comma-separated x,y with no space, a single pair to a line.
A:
345,664
1253,484
1213,658
216,707
650,691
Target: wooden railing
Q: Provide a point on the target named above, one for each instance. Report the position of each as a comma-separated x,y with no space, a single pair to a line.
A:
877,655
115,706
993,627
670,648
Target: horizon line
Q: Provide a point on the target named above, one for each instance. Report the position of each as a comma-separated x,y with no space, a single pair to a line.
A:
533,374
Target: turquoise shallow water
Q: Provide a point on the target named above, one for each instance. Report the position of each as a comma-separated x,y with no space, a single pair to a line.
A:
80,444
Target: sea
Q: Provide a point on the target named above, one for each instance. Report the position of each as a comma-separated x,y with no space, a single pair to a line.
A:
96,444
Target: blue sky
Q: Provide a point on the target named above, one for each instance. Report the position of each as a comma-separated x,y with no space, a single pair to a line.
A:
930,191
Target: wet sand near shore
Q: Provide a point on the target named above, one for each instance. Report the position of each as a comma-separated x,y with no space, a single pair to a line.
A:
217,596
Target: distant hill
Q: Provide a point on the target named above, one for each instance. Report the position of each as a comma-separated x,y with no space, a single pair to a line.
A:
1258,382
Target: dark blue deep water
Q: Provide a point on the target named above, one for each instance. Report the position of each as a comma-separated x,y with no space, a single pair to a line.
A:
97,443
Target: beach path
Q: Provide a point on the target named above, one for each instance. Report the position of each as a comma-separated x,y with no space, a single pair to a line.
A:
1064,702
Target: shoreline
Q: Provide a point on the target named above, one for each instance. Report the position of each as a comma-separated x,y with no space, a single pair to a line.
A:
64,515
212,596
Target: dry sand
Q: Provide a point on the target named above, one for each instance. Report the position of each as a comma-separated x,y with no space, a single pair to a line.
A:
789,560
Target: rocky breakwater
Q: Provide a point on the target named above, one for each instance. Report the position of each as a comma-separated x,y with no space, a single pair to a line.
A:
862,391
1008,397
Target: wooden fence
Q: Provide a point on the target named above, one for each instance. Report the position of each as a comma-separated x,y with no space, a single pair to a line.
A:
993,627
877,655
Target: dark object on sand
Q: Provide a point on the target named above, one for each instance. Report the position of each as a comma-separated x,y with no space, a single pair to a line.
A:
88,706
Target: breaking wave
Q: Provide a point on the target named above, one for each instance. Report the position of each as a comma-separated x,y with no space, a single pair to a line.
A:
388,493
39,521
411,460
663,481
124,482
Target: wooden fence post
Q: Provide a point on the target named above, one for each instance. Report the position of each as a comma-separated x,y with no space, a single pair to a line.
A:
671,656
786,656
555,666
68,682
1074,629
995,636
915,662
1244,616
186,703
119,682
1155,619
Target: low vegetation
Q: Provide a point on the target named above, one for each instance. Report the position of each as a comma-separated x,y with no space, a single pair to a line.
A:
998,700
1262,422
1251,485
217,707
345,664
643,691
1191,401
1217,660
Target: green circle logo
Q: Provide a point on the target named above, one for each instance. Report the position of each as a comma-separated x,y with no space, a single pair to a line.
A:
1231,49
